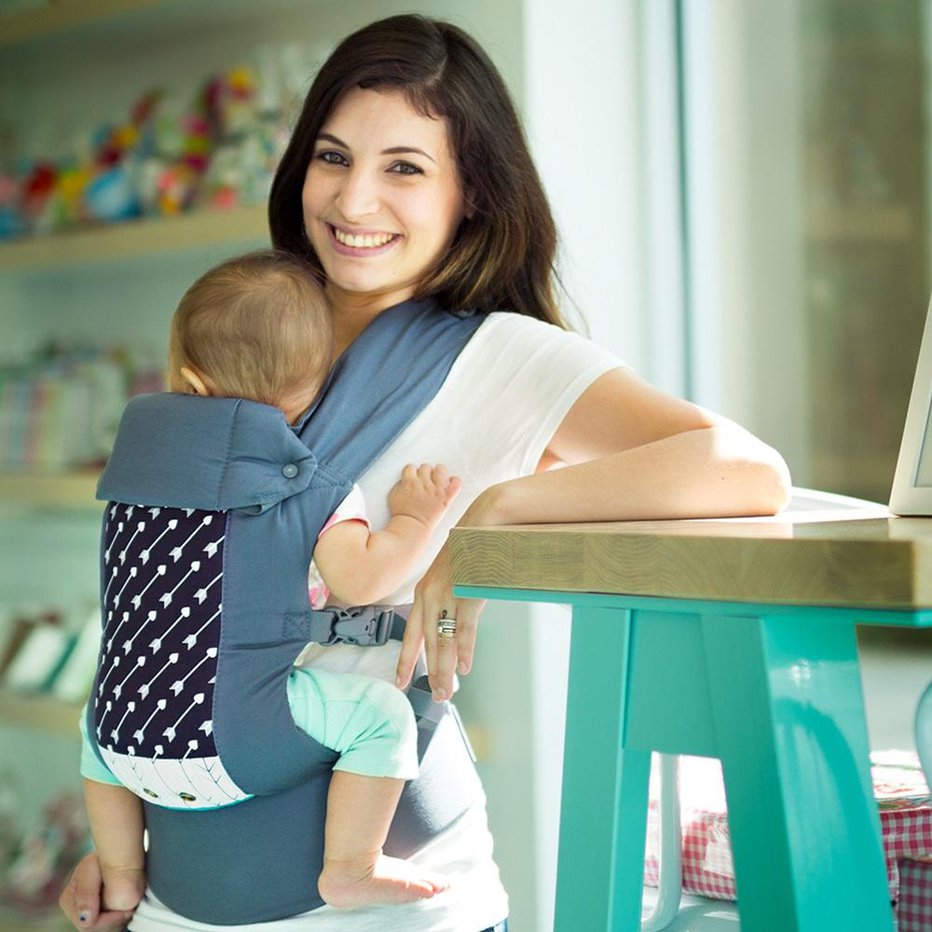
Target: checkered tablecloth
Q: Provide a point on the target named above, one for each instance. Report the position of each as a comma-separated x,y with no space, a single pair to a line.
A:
905,819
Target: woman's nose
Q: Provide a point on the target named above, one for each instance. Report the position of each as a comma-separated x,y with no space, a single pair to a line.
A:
358,196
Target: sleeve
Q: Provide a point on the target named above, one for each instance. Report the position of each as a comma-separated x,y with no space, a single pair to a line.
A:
352,508
91,766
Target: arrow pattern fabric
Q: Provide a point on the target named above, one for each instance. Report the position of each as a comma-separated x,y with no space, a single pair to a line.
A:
162,615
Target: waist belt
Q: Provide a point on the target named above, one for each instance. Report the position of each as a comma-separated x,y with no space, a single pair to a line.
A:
362,625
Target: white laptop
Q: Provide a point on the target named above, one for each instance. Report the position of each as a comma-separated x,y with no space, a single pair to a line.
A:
912,482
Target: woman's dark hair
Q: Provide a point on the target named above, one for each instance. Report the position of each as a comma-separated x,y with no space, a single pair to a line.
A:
502,256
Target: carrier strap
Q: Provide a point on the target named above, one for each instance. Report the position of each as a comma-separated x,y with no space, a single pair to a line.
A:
362,625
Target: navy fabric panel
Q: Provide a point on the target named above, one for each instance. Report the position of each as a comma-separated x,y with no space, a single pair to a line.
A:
241,448
162,624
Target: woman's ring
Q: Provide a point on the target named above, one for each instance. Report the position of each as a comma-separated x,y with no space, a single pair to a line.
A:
446,627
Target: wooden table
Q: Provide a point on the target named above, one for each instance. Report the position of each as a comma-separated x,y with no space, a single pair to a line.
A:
732,639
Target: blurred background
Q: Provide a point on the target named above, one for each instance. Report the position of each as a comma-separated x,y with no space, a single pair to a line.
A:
743,193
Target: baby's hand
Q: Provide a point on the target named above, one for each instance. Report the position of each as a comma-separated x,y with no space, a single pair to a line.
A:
424,492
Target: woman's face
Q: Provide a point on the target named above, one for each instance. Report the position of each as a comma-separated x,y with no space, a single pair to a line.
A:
382,197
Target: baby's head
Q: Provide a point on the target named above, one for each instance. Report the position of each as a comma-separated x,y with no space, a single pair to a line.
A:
257,327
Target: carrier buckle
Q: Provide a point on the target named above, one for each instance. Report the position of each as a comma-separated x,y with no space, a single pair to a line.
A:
365,626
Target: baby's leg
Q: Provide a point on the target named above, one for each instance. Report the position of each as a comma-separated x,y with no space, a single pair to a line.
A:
356,873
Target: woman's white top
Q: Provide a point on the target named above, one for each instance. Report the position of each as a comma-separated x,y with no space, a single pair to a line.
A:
492,419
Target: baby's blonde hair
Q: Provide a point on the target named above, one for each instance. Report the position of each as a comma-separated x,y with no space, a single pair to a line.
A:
256,326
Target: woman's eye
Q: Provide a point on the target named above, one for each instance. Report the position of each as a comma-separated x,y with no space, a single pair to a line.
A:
405,168
331,158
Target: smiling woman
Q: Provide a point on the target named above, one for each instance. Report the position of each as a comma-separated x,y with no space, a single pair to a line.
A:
382,203
408,186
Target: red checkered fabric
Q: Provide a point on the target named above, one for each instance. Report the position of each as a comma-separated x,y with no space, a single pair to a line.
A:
914,908
905,820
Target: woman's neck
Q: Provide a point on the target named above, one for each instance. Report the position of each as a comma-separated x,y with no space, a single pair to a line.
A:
352,313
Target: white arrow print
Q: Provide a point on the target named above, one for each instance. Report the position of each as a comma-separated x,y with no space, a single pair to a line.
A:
116,663
103,718
132,575
155,512
119,531
192,746
116,630
113,575
211,548
144,689
178,685
118,689
207,727
166,599
128,645
115,734
201,594
171,731
171,527
159,707
159,751
140,527
191,639
156,644
137,599
176,551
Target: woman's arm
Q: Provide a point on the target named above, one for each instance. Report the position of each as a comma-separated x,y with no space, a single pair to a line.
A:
631,452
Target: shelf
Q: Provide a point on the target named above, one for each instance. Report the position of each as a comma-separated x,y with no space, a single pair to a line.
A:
61,490
41,713
57,15
137,238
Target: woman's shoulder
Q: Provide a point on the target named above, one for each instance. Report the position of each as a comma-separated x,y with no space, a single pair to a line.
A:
517,335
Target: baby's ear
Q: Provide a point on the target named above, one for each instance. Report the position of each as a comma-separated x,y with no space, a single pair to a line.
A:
194,381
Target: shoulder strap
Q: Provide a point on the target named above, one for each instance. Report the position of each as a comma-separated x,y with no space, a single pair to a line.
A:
383,381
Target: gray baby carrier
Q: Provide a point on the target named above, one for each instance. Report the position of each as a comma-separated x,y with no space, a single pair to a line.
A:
214,507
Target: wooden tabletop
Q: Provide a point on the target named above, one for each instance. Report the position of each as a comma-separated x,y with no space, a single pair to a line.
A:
821,551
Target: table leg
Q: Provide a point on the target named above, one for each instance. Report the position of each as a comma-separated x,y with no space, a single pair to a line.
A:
792,737
600,869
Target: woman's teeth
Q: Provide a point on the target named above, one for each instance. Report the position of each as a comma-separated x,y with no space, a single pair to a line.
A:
367,241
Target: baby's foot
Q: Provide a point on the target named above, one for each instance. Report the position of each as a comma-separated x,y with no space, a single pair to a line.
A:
123,887
360,882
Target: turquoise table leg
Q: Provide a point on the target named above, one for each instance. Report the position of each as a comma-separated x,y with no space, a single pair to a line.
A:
793,742
600,870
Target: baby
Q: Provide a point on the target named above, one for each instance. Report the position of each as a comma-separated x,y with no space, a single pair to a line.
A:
258,327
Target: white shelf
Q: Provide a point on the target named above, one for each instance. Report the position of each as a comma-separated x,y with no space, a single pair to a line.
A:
54,490
137,238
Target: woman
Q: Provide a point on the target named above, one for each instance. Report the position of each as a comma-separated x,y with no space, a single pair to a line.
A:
408,177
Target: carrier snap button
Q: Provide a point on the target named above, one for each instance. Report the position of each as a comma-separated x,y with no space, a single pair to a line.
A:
149,792
187,797
289,470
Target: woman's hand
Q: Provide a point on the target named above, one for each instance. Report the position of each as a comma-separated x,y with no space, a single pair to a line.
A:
80,899
445,655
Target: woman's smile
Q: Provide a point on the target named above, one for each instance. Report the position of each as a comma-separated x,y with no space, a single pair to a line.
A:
365,244
382,198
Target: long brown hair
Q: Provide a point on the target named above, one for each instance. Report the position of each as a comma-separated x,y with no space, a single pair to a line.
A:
502,255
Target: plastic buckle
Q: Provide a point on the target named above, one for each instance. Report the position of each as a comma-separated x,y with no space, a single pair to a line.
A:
366,626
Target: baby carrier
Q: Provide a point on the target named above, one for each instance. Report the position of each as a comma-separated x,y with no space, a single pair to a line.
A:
214,507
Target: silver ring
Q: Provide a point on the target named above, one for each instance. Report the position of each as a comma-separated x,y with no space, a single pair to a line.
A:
446,626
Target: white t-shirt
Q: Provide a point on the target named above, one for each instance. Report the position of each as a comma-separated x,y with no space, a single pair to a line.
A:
492,419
